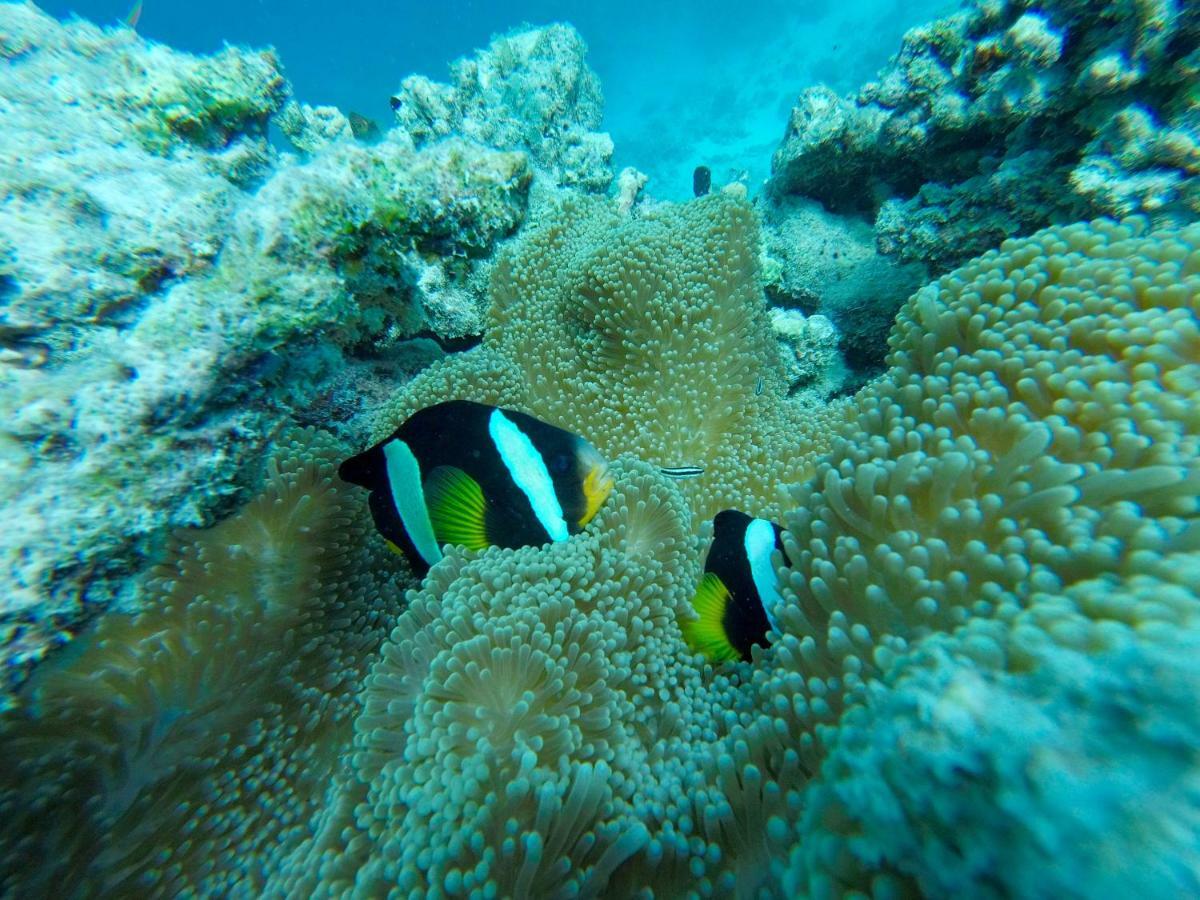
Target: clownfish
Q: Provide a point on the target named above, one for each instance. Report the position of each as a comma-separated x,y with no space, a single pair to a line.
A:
739,593
477,475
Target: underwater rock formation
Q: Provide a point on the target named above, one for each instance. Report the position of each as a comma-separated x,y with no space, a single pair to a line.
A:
984,683
173,288
1003,118
529,90
114,187
819,262
809,346
310,128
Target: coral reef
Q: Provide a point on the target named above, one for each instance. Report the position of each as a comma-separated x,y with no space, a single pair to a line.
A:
629,186
114,187
809,346
1003,118
173,289
984,673
989,625
529,90
309,128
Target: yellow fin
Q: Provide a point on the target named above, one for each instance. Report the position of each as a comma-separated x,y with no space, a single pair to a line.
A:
457,508
707,634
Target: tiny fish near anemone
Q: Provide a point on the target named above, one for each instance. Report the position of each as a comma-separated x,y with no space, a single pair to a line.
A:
466,473
739,592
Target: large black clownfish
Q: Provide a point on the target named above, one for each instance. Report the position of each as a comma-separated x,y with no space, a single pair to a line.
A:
477,475
739,593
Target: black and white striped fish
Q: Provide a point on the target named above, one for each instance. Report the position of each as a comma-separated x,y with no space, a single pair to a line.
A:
739,593
477,475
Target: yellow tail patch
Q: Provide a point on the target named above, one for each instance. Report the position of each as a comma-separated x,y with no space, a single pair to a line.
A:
457,508
707,634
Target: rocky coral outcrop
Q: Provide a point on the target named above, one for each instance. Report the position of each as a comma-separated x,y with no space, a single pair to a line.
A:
815,261
173,288
531,90
309,128
809,348
1005,117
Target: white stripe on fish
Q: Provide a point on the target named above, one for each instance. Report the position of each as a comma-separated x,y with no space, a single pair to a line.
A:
529,472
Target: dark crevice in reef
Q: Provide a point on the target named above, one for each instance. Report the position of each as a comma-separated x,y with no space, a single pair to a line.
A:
451,344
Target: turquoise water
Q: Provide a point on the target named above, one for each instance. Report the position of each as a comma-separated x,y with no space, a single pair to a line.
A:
685,84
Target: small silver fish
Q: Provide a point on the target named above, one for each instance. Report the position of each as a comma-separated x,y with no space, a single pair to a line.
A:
758,388
682,471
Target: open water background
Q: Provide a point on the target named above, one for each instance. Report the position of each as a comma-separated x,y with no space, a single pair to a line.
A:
684,82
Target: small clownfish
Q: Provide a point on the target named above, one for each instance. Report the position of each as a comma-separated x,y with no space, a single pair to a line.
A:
477,475
739,592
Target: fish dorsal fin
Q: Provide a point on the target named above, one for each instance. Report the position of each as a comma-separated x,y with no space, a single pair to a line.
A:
457,508
707,634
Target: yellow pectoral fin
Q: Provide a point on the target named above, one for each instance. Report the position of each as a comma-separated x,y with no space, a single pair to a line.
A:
707,634
457,508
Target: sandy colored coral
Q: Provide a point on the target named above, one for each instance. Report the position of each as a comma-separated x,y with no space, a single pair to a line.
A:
309,128
529,90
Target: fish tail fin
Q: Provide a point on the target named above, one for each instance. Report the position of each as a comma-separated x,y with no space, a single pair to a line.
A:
707,634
